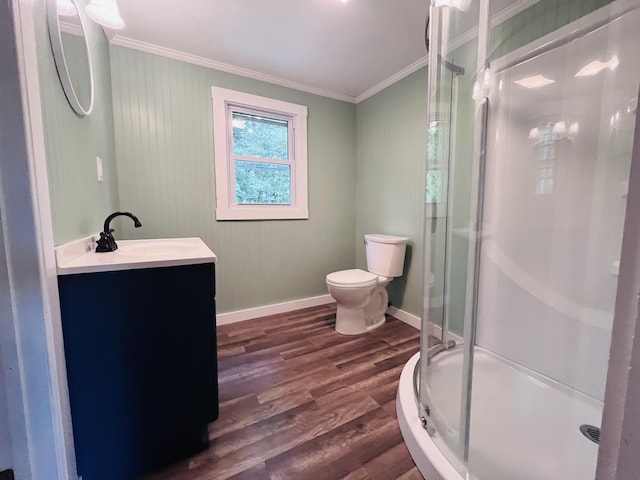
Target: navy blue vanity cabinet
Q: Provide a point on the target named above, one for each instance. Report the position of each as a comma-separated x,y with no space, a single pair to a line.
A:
140,349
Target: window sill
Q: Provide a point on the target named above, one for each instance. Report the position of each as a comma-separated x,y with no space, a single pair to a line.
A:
262,212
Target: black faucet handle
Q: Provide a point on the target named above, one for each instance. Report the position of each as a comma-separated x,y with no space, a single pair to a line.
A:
106,243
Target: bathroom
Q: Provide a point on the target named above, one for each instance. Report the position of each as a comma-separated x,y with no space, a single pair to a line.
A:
151,127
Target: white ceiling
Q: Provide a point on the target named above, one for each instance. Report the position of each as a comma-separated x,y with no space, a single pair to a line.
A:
347,50
341,49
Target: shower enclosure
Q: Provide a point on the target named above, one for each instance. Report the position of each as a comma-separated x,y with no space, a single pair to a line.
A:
532,109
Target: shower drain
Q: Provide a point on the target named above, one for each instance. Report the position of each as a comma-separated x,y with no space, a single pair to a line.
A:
591,432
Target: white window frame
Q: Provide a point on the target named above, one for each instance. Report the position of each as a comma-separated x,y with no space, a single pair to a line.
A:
226,206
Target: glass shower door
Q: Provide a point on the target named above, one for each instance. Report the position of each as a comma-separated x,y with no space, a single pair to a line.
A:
453,132
533,153
560,135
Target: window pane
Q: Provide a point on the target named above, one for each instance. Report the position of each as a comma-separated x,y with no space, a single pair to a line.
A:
264,183
260,136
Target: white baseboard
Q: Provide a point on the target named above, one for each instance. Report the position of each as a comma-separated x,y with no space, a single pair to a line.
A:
406,317
416,322
273,309
436,331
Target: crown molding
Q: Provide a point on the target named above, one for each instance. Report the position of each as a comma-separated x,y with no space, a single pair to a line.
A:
225,67
71,28
500,17
122,41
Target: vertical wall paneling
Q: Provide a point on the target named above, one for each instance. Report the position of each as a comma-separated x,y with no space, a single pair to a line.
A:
164,131
391,133
165,174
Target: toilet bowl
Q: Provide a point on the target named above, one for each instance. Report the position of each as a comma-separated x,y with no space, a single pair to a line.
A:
361,296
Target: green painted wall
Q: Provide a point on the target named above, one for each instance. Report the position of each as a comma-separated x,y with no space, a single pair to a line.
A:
391,139
159,110
79,202
163,125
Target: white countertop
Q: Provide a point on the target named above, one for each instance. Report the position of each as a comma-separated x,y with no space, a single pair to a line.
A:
79,256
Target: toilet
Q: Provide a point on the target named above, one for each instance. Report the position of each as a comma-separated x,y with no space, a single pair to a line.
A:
362,296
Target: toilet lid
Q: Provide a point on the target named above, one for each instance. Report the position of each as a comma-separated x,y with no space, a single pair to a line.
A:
352,278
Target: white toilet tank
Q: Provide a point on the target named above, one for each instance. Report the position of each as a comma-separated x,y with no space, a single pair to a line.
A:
385,254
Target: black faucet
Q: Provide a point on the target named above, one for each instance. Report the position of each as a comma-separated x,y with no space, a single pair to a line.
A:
106,242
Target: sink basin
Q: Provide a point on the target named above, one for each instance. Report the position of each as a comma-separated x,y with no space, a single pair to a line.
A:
153,249
79,256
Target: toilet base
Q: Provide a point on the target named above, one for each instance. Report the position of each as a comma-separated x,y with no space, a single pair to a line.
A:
350,321
363,319
377,324
375,309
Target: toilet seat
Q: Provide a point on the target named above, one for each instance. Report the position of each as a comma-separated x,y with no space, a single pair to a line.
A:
352,278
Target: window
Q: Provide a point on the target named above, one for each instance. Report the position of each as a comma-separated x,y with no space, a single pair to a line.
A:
546,136
260,157
544,183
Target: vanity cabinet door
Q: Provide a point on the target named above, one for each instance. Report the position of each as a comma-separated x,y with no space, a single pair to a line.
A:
140,348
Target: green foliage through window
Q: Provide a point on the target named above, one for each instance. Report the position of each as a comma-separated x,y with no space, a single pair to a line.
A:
261,138
263,183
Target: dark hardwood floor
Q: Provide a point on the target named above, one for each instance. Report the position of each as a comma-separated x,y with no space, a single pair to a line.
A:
299,401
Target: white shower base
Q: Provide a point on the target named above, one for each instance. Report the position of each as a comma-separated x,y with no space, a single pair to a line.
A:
523,425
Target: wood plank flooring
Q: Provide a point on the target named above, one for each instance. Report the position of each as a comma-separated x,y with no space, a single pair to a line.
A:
299,401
